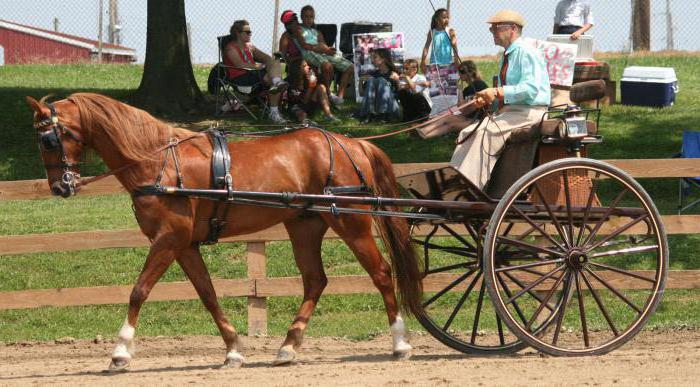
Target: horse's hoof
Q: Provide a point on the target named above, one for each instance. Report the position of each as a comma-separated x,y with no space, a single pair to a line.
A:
285,355
233,360
119,364
232,363
402,355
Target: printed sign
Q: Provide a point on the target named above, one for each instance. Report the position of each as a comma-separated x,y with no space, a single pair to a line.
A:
444,81
560,58
362,47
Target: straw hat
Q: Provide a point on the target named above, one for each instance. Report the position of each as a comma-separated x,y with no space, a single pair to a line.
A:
507,16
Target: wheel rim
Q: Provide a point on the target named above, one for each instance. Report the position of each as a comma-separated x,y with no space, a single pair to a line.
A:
587,246
458,310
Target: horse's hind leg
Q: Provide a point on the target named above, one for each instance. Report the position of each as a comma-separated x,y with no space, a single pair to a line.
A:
356,232
192,264
160,257
306,235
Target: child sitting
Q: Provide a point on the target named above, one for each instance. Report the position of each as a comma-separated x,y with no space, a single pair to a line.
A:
413,92
378,100
304,101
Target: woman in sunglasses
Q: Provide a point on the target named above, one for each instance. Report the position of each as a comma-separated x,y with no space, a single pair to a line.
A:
470,76
248,66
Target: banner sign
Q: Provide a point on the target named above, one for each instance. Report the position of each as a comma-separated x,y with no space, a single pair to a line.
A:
560,59
444,81
362,47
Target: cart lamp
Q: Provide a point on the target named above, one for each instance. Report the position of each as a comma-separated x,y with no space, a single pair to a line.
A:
575,125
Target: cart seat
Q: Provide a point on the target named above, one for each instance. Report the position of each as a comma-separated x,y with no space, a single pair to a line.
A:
523,149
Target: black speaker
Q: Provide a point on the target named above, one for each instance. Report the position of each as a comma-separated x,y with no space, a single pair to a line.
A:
348,29
329,32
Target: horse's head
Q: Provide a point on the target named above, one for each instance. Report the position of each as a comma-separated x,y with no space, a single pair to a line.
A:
60,143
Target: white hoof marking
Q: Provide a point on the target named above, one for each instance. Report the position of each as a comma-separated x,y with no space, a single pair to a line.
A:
285,355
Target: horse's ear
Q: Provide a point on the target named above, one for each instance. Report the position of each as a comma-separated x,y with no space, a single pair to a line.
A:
33,104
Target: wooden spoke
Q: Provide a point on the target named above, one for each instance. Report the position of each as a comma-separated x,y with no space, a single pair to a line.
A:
617,293
462,265
549,295
528,265
538,228
622,271
582,312
631,250
567,198
528,246
509,294
618,232
600,304
605,216
461,251
531,286
589,204
461,302
557,225
458,237
562,311
477,316
522,286
499,325
449,287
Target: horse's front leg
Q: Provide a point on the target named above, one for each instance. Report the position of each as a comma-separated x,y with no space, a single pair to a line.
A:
160,256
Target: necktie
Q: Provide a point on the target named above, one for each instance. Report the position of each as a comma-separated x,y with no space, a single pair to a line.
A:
504,69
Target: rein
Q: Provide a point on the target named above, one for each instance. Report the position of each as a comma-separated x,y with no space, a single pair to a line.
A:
445,113
172,143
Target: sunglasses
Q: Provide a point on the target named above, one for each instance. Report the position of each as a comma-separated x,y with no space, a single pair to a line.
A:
495,27
249,32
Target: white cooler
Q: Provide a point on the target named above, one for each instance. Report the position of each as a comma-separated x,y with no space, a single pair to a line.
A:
649,86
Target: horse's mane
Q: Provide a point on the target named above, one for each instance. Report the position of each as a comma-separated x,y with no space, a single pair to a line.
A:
134,133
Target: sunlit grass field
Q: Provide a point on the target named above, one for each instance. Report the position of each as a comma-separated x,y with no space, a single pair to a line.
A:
629,132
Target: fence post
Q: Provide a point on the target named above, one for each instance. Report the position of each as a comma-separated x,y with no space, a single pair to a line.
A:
257,306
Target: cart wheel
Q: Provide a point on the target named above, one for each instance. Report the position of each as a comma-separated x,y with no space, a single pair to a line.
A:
457,308
601,248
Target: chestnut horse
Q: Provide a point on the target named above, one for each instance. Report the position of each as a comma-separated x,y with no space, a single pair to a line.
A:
125,138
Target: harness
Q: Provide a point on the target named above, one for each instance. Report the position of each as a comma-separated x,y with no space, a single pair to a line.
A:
50,140
221,178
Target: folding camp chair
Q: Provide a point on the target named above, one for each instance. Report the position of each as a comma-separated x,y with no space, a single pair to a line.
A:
227,91
689,150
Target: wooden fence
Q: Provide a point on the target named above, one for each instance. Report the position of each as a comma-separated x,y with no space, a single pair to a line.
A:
257,287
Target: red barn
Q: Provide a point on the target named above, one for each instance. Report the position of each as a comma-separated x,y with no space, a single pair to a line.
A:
25,44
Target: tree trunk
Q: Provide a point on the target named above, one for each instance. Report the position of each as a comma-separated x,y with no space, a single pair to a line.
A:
641,38
168,85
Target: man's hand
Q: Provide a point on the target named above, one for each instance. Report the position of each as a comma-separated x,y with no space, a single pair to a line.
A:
486,97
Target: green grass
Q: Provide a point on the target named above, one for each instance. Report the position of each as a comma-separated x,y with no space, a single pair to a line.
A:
630,132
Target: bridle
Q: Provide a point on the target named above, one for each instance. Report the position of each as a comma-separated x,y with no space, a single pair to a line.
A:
51,140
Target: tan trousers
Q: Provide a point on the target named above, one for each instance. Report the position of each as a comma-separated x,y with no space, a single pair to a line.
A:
476,157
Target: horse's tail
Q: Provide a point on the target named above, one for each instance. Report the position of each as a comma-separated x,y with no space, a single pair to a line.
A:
395,234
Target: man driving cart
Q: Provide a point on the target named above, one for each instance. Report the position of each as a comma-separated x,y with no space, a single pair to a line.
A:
523,95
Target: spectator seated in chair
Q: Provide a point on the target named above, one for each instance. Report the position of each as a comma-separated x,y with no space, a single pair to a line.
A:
248,66
379,101
304,101
413,92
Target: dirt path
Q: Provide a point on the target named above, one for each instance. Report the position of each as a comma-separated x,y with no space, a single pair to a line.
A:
669,358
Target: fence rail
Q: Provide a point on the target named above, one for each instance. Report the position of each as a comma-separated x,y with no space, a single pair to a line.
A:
257,287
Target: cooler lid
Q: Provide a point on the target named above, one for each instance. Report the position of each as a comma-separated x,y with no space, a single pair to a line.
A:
649,74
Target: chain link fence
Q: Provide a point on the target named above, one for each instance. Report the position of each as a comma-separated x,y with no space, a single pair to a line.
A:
672,21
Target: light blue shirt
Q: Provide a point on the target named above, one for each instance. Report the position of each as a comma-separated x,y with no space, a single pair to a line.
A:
441,52
527,80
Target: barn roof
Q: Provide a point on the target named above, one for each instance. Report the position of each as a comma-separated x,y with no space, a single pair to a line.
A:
73,40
